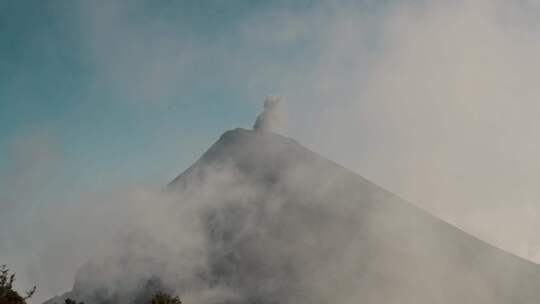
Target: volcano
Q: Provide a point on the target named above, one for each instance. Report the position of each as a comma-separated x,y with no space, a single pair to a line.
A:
286,225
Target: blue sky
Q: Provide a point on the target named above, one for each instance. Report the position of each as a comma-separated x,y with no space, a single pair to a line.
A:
96,97
88,76
133,92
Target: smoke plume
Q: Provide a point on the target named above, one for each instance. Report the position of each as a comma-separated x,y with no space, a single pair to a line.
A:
269,120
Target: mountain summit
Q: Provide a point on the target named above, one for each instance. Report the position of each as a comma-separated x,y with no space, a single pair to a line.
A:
281,224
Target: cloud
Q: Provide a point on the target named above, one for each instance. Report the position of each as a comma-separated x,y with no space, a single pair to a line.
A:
31,156
440,107
27,184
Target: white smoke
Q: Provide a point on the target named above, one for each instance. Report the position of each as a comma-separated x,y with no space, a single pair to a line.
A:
270,119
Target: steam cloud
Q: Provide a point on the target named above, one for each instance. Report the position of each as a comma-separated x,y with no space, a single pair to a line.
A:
269,120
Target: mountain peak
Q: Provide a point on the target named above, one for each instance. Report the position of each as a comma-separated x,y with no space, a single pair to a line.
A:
388,228
254,152
277,223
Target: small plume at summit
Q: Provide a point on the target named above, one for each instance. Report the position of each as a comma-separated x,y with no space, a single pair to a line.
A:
269,120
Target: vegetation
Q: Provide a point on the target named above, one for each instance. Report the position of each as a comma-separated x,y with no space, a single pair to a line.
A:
71,301
163,298
158,298
7,294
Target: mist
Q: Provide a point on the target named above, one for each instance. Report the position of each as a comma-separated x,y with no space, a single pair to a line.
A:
435,101
443,113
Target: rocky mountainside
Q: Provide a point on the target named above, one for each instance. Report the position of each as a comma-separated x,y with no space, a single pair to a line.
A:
281,224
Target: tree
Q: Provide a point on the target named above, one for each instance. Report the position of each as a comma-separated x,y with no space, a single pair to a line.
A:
7,294
71,301
163,298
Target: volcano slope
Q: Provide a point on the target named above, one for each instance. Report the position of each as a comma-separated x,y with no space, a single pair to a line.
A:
281,224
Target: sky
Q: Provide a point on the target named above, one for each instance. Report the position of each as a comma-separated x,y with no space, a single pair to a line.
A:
436,101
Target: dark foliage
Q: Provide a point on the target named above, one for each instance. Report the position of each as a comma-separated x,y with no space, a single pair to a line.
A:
7,294
163,298
71,301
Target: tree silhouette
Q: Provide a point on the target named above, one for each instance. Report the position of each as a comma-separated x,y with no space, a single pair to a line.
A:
71,301
7,294
163,298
